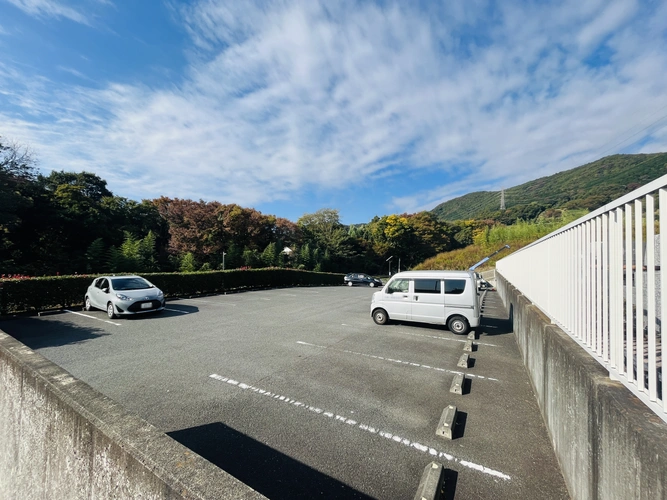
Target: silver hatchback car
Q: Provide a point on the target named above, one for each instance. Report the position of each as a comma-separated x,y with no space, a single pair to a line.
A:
123,295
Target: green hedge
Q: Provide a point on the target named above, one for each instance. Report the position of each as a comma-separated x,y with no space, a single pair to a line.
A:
38,294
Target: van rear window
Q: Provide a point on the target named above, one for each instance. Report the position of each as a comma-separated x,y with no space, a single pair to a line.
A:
455,287
427,286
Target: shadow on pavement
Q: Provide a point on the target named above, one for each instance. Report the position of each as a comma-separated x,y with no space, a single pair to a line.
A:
460,424
264,469
495,326
449,487
170,311
36,334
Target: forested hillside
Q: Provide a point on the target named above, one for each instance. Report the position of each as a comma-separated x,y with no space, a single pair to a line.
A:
67,222
587,187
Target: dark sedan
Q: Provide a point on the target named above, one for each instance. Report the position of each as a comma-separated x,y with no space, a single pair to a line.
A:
361,279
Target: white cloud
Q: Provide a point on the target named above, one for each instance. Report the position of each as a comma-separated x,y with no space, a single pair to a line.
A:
49,8
607,21
291,96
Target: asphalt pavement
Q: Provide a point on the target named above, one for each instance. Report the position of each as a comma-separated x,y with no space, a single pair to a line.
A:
299,394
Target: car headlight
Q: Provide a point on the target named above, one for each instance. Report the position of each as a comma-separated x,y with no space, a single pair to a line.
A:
160,294
123,297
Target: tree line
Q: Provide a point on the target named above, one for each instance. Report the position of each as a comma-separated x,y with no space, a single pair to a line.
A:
67,223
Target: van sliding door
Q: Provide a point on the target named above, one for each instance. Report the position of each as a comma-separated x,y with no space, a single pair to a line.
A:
457,300
428,301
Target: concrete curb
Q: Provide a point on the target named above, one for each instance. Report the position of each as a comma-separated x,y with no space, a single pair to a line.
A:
468,346
431,483
445,427
464,360
457,384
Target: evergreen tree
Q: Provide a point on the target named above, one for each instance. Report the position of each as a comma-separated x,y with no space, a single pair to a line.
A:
147,253
188,263
269,255
306,257
115,260
95,256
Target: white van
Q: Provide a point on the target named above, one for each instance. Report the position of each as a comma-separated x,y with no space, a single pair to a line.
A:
440,297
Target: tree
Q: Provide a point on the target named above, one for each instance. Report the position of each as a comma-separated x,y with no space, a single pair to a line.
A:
324,231
322,227
246,227
90,186
130,251
95,256
16,177
269,255
115,260
194,227
233,257
147,253
305,260
188,263
251,258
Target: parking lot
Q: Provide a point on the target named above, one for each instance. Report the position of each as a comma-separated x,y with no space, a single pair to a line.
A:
299,394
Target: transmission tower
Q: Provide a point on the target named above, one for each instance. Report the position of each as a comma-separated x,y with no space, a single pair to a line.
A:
502,199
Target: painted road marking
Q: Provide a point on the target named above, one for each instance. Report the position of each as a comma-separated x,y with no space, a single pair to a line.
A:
361,426
91,317
217,302
445,338
398,361
176,310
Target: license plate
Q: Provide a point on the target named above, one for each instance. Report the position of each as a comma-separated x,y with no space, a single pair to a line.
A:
147,305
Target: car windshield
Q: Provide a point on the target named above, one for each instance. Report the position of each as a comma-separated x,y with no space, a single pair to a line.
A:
130,284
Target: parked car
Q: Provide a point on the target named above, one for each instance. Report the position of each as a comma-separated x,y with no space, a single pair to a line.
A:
361,279
123,295
439,297
482,284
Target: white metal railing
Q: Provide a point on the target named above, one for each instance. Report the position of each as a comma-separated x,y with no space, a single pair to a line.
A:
599,278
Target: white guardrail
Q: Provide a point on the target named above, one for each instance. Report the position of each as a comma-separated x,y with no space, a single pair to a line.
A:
599,280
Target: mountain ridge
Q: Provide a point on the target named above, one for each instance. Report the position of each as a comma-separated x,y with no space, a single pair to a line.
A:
588,186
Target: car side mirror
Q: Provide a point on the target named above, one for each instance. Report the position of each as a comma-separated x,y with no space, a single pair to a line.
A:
389,290
105,290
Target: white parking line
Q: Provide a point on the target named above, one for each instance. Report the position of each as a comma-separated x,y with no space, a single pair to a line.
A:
446,339
176,310
364,427
217,302
398,361
92,317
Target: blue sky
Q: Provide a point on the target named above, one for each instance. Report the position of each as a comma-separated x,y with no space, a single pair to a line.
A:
367,107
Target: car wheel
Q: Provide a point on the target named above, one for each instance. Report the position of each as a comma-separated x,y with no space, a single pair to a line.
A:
110,311
458,325
372,284
349,283
87,305
380,317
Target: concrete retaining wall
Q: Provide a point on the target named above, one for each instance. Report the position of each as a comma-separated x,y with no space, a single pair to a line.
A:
60,439
609,444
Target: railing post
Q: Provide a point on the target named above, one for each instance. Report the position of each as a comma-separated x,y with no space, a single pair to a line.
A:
650,297
629,322
639,294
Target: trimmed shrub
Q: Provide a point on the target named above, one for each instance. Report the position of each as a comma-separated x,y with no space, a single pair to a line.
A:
54,292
